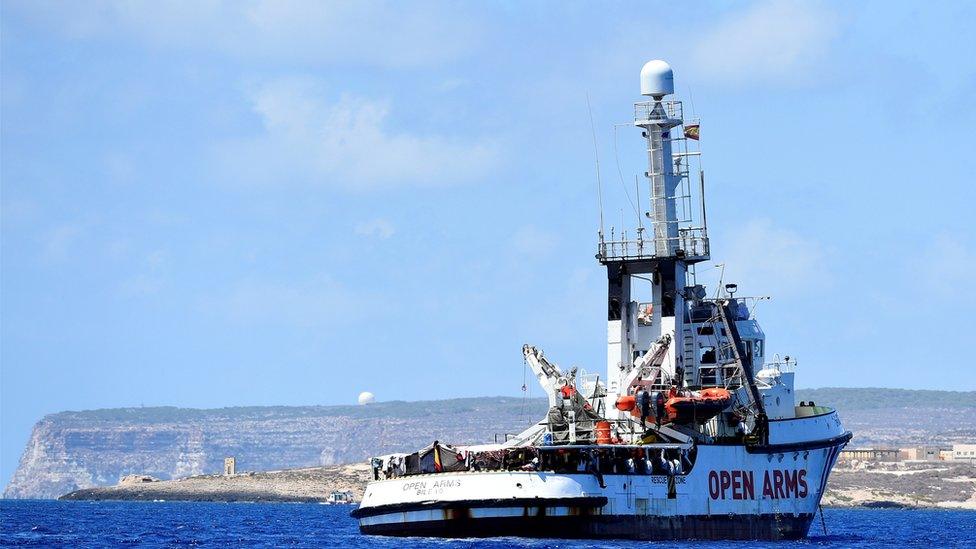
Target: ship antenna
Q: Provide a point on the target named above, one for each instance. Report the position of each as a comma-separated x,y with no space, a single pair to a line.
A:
596,154
721,277
640,222
525,367
623,185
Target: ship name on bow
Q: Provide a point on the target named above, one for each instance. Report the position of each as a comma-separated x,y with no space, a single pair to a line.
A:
776,484
437,487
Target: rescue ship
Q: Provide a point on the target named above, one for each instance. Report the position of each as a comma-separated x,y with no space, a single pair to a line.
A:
692,433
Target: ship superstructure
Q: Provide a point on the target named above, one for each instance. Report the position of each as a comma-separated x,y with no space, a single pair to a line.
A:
692,433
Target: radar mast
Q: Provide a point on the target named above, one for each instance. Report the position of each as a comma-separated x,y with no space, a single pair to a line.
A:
645,335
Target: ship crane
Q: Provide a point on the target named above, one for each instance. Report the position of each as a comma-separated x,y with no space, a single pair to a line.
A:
760,432
571,417
550,377
648,366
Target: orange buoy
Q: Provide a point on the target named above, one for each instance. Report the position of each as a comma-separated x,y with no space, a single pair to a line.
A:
603,432
626,403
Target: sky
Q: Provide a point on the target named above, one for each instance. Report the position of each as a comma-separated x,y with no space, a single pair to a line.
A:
210,203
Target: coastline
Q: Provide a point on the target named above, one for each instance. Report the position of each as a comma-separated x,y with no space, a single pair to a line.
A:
870,485
306,485
905,484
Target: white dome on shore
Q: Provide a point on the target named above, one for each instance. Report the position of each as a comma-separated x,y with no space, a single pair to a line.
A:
366,397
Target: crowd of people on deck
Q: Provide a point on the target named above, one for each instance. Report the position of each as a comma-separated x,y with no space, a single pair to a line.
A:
598,461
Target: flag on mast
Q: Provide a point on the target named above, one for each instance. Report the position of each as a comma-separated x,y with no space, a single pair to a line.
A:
691,131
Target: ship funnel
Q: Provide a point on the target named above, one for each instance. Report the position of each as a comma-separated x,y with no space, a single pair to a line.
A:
657,79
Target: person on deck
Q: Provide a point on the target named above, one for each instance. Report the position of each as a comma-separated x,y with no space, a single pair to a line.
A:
644,405
659,407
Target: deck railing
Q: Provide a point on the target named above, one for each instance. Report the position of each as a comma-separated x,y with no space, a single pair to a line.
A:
645,110
690,244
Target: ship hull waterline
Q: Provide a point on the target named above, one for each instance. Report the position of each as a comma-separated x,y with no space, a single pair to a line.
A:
731,493
585,526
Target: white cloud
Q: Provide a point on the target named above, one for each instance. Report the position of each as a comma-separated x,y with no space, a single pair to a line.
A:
346,143
316,303
120,168
60,241
141,286
17,210
531,240
767,260
151,278
771,40
378,33
947,268
379,228
156,259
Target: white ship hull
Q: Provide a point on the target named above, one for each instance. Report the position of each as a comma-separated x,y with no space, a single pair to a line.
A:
732,492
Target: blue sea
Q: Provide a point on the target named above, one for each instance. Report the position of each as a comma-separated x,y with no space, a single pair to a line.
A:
146,524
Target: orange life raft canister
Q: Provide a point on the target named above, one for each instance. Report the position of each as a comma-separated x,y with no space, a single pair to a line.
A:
626,403
706,405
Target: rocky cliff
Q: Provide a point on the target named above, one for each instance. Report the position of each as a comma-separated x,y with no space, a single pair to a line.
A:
74,450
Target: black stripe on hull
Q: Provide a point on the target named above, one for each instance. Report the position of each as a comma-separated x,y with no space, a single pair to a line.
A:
642,527
585,502
799,446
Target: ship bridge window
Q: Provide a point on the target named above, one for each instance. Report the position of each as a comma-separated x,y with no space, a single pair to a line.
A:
645,314
758,347
707,355
706,330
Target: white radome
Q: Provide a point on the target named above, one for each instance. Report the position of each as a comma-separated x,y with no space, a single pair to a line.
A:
366,397
657,79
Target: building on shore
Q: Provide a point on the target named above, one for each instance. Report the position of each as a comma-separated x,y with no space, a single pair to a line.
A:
921,453
230,466
870,454
964,452
957,452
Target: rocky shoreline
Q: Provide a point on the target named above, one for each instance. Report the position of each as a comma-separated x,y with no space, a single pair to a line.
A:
307,485
863,484
905,484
